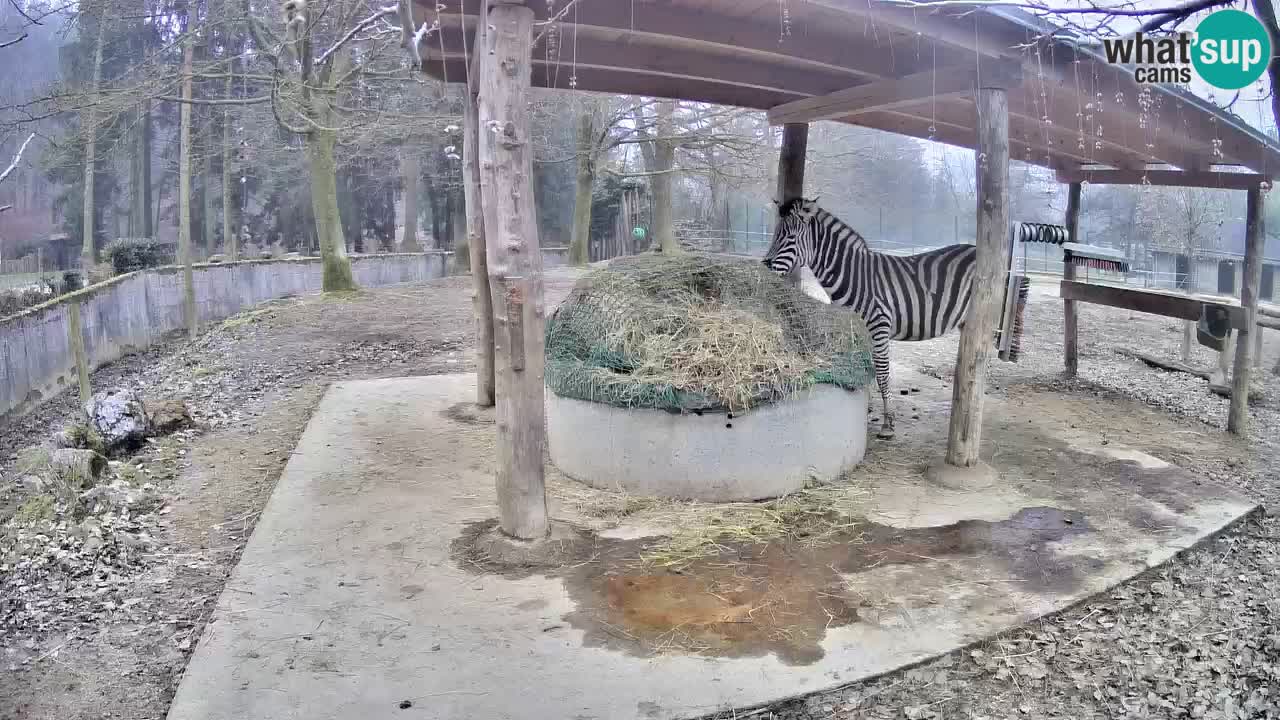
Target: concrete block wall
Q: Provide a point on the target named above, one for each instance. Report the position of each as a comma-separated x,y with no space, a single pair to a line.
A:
130,312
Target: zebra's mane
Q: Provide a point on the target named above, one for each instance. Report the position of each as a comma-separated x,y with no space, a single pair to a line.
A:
853,239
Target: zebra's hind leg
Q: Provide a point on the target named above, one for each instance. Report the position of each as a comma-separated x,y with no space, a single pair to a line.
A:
880,358
886,426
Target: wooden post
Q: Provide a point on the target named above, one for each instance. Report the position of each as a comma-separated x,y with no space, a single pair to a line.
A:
481,299
795,143
75,335
515,267
1070,321
1257,348
1238,416
992,154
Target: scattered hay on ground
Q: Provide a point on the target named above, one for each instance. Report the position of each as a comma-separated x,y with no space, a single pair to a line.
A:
690,530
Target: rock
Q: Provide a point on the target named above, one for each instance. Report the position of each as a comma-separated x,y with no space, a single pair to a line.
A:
118,496
217,258
77,469
79,436
167,416
265,255
119,417
33,484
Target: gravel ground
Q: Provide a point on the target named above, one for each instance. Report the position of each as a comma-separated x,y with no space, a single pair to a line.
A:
106,632
1196,638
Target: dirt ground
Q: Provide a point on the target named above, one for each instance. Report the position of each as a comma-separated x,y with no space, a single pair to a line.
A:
1199,637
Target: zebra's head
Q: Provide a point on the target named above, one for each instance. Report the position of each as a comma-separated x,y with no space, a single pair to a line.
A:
792,238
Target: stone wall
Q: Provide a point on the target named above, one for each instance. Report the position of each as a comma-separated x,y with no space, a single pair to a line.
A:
130,312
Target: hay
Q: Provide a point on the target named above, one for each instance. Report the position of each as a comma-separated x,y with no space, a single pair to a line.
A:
690,531
697,332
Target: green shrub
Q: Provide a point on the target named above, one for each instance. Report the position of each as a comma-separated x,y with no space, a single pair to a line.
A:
129,254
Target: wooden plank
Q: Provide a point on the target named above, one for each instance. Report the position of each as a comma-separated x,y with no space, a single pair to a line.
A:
1238,415
1182,307
791,157
515,269
625,81
1070,326
481,297
992,173
1166,178
620,51
1161,363
890,93
712,32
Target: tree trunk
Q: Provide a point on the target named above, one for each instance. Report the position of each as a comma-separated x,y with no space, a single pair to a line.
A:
88,250
446,221
410,167
184,195
206,192
229,235
458,221
148,227
136,211
964,437
582,195
515,270
324,205
429,186
664,232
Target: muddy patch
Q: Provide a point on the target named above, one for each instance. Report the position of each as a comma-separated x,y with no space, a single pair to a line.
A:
780,597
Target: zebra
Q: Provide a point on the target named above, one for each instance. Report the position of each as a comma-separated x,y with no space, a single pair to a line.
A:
912,297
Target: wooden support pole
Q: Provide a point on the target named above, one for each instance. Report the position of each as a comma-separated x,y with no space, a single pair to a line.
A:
795,143
1070,321
481,299
75,336
515,267
1238,416
965,432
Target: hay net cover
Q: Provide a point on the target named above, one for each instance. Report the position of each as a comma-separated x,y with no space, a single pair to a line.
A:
695,332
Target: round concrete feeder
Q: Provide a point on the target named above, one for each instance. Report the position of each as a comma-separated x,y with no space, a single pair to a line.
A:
714,457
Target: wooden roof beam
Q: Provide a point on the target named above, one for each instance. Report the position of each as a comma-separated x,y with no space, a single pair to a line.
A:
893,93
1211,179
948,29
662,23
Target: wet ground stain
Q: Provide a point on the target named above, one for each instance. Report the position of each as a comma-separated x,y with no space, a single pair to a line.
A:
780,597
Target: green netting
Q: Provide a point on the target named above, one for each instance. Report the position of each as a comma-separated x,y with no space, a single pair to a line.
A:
694,332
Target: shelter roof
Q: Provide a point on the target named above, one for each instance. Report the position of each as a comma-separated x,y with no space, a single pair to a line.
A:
910,71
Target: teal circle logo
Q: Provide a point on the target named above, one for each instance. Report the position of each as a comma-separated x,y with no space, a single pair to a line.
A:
1232,49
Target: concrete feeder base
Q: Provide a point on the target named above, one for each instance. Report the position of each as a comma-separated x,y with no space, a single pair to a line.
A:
714,457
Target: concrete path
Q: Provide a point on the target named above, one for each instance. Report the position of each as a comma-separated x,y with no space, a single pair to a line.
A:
349,602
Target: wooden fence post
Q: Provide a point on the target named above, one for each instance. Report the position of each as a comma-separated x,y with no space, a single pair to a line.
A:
481,300
75,335
965,432
1070,321
1238,415
791,156
515,267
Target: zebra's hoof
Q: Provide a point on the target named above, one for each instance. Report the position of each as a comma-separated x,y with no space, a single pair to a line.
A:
885,434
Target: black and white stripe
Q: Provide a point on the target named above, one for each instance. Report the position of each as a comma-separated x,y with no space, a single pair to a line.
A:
912,297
